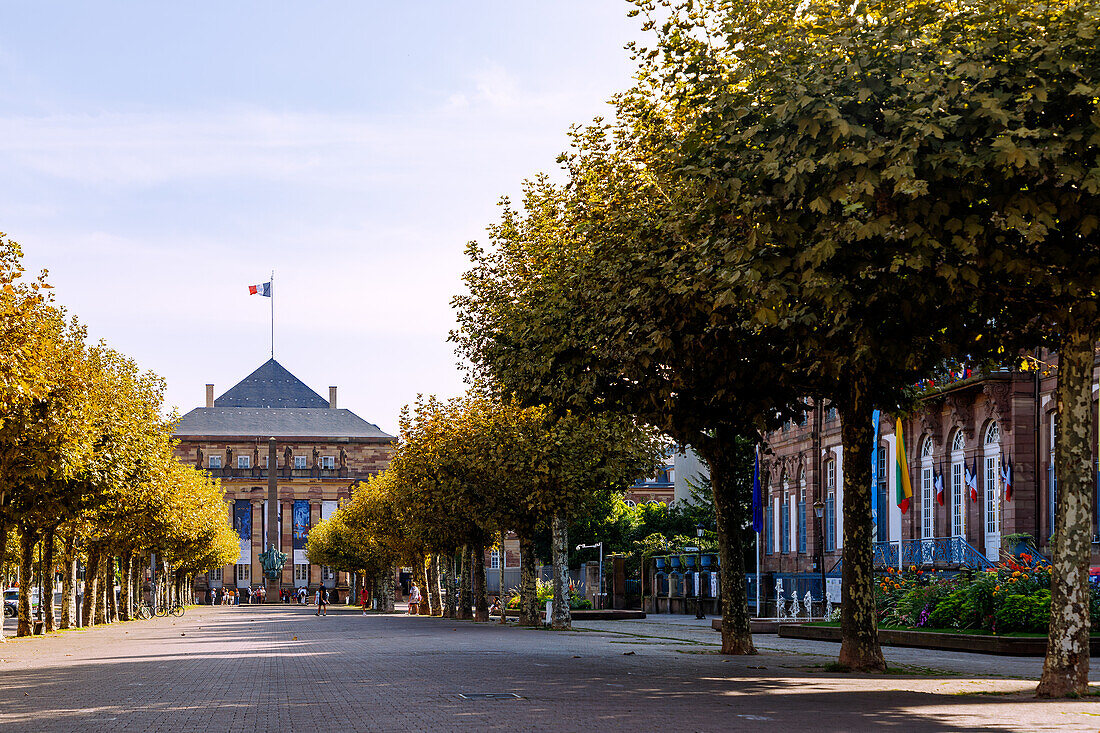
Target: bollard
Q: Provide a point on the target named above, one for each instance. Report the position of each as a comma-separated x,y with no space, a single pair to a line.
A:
549,611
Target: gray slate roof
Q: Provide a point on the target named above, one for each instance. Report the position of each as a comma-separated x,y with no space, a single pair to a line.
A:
273,403
306,422
271,386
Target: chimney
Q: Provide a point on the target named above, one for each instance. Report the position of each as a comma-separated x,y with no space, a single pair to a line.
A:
209,395
332,397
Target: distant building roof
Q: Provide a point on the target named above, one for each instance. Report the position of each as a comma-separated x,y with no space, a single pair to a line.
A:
303,422
271,386
272,402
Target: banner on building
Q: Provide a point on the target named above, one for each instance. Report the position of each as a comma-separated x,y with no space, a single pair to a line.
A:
242,518
301,523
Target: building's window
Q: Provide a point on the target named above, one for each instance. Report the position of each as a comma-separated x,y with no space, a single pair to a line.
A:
300,462
244,462
301,572
327,573
494,560
328,462
883,525
802,513
785,524
927,527
630,503
244,573
830,506
215,462
769,534
267,458
992,454
215,575
830,414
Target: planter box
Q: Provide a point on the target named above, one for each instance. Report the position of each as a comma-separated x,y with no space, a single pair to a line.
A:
593,614
1013,646
756,626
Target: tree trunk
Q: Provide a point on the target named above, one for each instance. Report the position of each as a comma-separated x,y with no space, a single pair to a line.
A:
434,601
125,602
859,647
466,599
68,582
91,586
477,583
528,587
449,601
388,585
426,584
112,599
28,538
3,563
730,515
47,580
502,598
1066,668
100,608
559,551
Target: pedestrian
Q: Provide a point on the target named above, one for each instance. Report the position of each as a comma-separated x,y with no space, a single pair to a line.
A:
364,599
322,601
414,599
302,593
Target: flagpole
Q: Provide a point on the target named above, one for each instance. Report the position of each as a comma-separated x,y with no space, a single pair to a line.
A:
758,614
272,286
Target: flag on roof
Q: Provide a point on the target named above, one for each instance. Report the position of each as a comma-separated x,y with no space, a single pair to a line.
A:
263,289
903,484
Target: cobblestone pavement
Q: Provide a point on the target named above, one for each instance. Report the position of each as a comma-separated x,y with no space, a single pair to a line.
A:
280,668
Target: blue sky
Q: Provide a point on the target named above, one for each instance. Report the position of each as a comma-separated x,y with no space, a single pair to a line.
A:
158,158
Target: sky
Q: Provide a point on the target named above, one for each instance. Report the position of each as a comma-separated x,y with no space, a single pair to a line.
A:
158,158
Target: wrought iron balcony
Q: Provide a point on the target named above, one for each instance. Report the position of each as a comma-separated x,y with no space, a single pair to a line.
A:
287,473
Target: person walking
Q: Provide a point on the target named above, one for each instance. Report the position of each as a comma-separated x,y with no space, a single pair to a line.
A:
364,599
414,599
322,601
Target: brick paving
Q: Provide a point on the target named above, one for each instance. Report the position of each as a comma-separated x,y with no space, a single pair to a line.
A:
279,668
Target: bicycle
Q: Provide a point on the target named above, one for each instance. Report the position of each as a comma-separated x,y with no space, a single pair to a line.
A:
175,609
144,611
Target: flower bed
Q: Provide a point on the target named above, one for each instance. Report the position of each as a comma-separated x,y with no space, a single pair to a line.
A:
1014,596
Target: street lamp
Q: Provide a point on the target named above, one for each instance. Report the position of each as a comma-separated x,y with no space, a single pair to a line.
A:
599,584
819,512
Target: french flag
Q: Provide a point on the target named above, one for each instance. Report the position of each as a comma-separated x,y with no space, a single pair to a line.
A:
1006,477
263,289
939,488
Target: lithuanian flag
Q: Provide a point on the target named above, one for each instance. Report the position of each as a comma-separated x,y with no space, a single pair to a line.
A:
903,484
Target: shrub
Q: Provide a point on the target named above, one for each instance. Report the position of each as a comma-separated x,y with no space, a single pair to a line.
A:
1023,612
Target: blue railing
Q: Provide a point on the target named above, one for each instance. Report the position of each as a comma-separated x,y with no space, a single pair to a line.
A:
932,551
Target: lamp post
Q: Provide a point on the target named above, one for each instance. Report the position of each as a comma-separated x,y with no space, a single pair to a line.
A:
599,583
699,530
819,512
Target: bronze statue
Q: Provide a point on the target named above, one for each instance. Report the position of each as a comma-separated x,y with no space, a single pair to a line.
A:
343,458
272,561
256,457
200,457
228,457
288,458
316,455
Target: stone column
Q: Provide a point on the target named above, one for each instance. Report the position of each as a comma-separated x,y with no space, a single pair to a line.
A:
256,573
314,520
273,539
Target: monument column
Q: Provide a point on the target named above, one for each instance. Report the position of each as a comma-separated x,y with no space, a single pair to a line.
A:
272,586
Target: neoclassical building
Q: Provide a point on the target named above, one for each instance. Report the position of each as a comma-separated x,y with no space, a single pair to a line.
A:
322,451
971,423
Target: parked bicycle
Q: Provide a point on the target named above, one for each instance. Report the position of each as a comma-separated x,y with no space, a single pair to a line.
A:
144,611
175,609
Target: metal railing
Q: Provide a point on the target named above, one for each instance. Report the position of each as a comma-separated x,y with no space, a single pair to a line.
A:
951,551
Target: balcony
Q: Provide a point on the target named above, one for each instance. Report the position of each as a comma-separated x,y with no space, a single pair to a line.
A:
288,473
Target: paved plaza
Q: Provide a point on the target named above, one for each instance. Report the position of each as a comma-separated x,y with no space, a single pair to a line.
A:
280,668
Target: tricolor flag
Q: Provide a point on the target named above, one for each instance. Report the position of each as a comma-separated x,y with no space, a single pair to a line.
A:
972,480
1006,477
263,289
939,487
903,484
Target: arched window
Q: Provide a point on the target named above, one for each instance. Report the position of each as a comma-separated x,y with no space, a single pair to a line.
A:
802,512
991,453
927,518
769,518
785,516
830,505
958,485
882,528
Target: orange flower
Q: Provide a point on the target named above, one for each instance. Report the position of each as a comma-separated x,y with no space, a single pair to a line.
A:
884,586
1016,574
996,588
912,568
